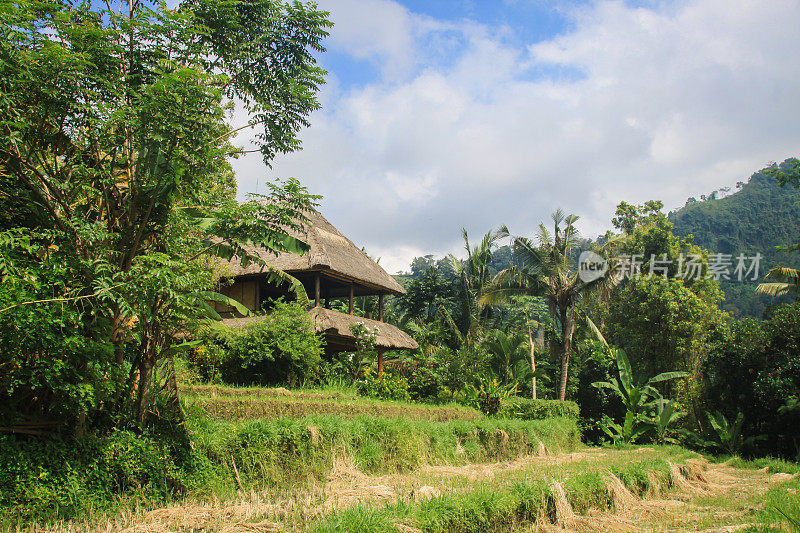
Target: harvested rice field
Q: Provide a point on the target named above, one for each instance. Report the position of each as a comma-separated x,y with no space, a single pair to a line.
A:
590,489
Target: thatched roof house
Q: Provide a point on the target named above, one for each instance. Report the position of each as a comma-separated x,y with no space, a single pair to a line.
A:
334,268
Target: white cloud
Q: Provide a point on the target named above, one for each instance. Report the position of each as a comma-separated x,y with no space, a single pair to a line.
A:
464,129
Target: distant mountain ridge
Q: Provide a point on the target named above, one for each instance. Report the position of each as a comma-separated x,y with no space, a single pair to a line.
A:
755,219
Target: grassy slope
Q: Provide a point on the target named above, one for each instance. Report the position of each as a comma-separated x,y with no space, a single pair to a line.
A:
290,451
112,473
243,403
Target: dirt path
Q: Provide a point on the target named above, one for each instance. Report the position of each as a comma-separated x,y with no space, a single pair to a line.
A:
705,497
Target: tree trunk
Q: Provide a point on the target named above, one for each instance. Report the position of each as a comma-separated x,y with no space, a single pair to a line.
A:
533,362
567,331
145,384
146,361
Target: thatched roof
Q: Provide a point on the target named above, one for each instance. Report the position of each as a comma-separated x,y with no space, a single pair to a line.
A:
331,252
336,328
332,322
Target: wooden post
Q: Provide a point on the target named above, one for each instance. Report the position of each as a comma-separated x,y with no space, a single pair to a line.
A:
352,293
316,290
380,308
380,362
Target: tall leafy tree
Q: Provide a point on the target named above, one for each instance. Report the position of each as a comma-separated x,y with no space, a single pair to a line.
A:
664,314
115,134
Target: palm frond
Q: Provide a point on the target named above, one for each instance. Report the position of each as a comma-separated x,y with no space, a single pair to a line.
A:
784,274
776,289
558,216
509,282
595,330
502,232
466,239
543,236
787,282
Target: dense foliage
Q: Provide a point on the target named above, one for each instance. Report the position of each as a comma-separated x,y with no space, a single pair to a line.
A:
280,348
756,371
669,318
116,189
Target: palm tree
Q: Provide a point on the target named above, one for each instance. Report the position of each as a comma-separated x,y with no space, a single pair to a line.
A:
474,276
787,282
506,352
545,269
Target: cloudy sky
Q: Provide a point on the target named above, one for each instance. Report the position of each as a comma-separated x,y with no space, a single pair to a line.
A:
440,114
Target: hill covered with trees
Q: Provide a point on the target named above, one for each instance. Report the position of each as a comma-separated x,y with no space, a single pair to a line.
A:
759,217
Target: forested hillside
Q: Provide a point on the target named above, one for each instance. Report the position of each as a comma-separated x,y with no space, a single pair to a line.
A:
757,218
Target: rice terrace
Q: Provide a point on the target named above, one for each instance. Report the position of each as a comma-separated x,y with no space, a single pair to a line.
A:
241,288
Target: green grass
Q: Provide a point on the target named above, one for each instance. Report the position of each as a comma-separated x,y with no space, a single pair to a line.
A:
782,507
287,450
246,403
770,463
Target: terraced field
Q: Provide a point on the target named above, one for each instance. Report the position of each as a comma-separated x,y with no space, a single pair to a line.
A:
591,489
232,403
323,461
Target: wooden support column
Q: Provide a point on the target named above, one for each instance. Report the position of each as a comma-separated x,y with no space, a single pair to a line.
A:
352,294
380,308
316,290
380,362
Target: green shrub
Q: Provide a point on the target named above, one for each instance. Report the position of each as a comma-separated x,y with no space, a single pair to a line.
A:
425,378
756,371
46,479
425,382
50,369
528,409
385,386
281,348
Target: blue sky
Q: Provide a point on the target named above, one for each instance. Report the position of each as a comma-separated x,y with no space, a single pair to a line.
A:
447,113
517,23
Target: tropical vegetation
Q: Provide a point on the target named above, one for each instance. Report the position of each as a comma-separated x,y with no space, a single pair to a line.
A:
120,388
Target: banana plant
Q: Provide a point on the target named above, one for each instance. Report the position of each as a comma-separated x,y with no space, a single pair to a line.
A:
665,414
727,435
636,395
632,428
